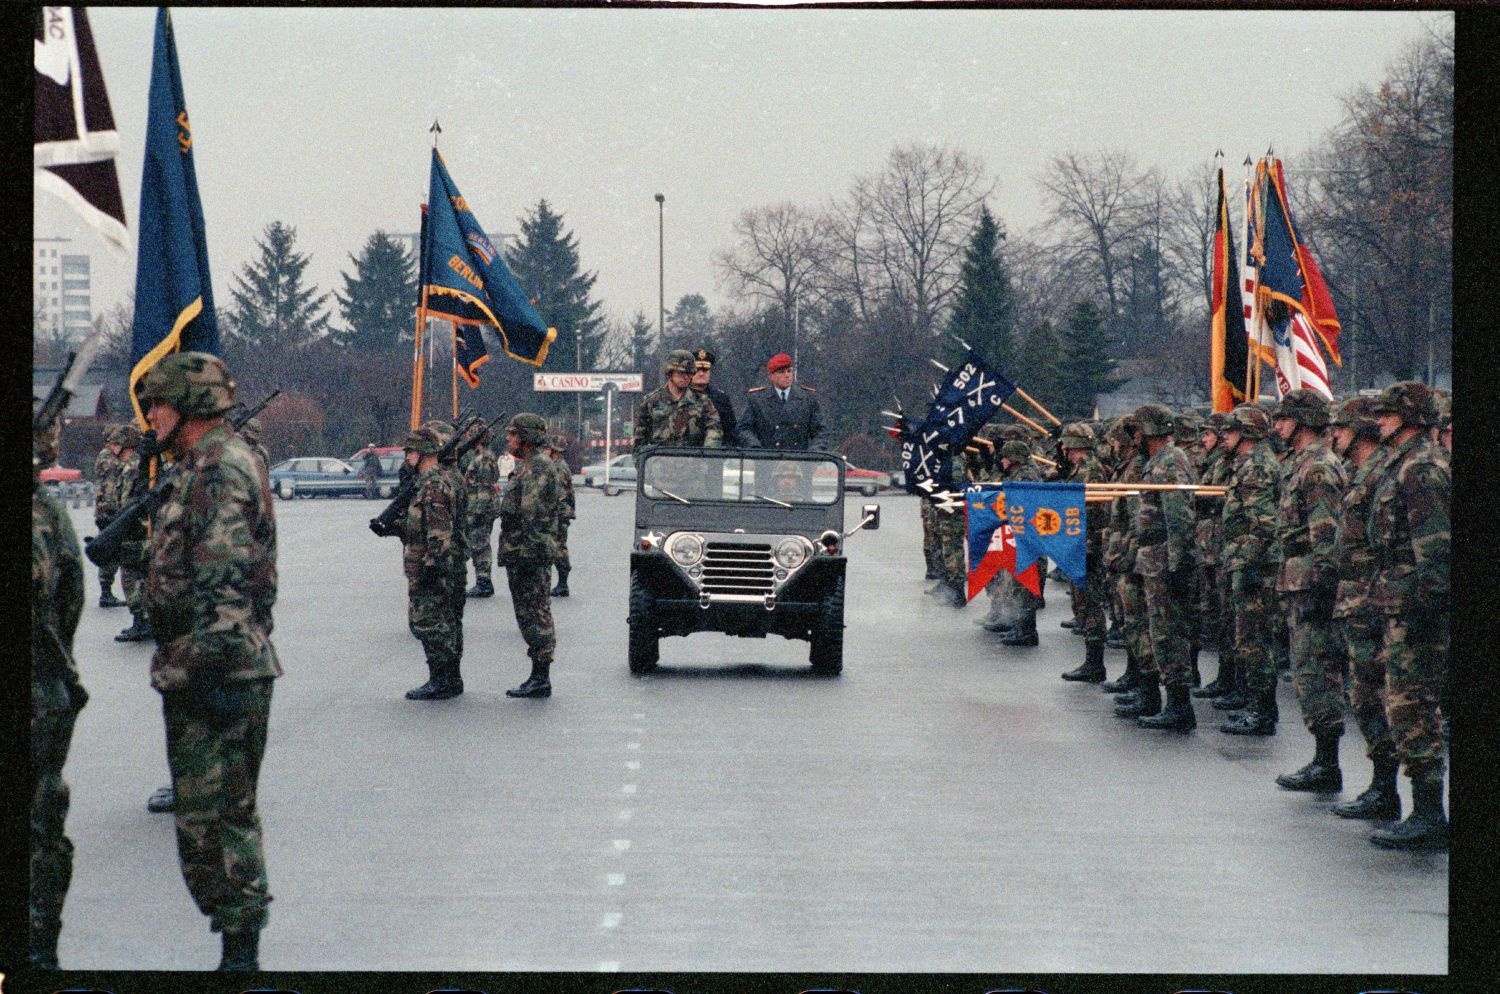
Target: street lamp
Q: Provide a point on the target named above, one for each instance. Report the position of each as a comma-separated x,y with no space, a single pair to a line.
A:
661,271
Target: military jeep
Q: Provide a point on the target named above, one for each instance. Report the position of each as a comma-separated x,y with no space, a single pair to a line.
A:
747,542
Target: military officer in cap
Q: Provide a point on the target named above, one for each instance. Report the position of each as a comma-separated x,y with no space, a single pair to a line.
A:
784,415
703,369
675,413
434,557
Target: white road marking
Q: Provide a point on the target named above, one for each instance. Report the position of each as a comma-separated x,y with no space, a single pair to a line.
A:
615,879
621,845
611,920
633,764
610,966
628,789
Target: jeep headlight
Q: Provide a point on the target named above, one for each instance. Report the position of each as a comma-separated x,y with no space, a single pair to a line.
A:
791,553
686,549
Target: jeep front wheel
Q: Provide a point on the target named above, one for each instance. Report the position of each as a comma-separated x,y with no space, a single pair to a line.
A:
827,650
645,639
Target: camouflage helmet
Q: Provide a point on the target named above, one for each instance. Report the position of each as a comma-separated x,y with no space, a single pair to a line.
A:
1412,400
557,443
1123,430
428,438
1155,420
532,428
1250,421
1015,451
1077,435
1217,422
1305,407
1187,426
989,432
680,361
196,384
1353,412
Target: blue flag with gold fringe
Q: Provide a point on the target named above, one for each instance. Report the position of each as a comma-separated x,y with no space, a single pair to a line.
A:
1048,520
174,300
465,280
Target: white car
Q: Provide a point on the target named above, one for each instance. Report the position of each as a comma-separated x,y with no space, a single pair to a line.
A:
621,474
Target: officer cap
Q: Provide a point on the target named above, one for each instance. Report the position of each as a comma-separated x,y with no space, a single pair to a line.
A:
1412,400
1154,420
1250,421
196,384
704,357
1305,407
1015,451
532,428
1077,435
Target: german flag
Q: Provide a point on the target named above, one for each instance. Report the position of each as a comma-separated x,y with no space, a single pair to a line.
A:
1229,348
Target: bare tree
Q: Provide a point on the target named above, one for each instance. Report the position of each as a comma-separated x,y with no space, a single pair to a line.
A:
780,248
1190,221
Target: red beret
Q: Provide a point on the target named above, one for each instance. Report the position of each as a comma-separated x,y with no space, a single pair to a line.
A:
779,361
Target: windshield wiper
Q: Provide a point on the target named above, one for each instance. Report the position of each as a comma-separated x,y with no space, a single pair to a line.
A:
670,494
773,500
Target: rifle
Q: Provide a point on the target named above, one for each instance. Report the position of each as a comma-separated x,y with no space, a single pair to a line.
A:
104,548
386,523
67,384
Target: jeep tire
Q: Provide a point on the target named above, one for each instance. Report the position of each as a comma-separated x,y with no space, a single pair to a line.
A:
826,652
645,639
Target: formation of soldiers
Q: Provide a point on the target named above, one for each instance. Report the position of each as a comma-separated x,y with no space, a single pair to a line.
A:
1327,556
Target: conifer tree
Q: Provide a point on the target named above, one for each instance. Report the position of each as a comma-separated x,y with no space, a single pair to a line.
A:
982,314
272,312
379,299
1085,369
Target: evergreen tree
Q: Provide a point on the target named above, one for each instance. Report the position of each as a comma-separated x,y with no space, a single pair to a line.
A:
379,300
690,325
544,260
272,312
982,314
1085,369
1037,367
643,356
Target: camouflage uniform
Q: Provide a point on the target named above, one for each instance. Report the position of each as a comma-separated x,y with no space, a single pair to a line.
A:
1119,564
56,698
691,419
481,472
434,558
106,505
1090,596
565,514
132,483
1410,534
1217,465
528,548
1312,491
210,588
250,432
1247,531
1164,532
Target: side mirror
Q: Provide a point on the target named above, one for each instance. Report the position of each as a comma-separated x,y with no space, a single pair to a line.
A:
871,512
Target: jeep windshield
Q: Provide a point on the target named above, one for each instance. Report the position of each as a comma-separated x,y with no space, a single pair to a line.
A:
772,478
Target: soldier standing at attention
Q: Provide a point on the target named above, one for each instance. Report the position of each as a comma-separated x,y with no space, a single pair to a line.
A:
106,506
56,698
528,545
1312,492
703,368
674,413
1356,437
250,432
1214,473
1248,533
481,471
369,471
1410,533
211,586
1119,563
556,446
1016,464
1077,444
434,557
131,484
782,416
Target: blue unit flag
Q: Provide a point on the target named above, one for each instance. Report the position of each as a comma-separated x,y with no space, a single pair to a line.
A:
1048,520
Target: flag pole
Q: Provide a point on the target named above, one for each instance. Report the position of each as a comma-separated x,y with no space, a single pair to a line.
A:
1045,413
454,371
1252,368
416,361
1022,418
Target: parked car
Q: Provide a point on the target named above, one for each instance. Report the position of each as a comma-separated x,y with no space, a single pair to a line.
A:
391,457
312,476
621,474
865,482
60,474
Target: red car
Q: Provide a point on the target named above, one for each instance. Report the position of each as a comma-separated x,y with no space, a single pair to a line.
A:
866,482
58,474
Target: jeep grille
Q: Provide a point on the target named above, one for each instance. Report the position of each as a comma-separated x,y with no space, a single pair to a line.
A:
737,569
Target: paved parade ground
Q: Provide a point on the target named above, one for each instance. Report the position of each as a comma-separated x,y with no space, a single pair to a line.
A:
946,805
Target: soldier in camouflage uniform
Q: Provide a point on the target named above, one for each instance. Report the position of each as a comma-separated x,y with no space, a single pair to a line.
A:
1077,443
676,414
1356,438
1187,435
1164,531
106,506
1016,464
528,546
1410,533
1216,466
481,472
211,586
57,696
556,446
250,432
1312,491
1119,564
434,557
1247,532
131,484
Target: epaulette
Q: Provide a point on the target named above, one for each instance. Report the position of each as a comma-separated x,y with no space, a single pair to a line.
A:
808,388
755,390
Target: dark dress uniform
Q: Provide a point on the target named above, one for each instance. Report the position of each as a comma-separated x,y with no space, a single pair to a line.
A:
794,422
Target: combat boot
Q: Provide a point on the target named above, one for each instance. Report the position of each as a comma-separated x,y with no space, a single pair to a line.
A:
1195,678
1024,634
561,590
1379,802
536,685
482,588
107,596
1322,775
1257,719
1144,701
1220,684
1067,623
958,596
241,952
450,682
1425,828
432,690
1235,697
1128,680
1177,716
1092,670
139,631
1114,638
164,799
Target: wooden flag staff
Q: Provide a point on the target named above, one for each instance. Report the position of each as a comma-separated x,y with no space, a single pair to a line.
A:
1022,418
1045,413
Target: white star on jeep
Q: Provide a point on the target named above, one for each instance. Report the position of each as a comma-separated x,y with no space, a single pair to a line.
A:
653,537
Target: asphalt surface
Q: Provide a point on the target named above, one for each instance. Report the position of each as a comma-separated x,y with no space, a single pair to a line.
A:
946,805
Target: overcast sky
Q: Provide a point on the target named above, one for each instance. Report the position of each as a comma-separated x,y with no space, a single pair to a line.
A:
319,118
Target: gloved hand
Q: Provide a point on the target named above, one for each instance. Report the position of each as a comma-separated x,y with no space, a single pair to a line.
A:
149,446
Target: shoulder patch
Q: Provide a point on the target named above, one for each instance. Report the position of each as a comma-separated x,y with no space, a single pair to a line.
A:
755,390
